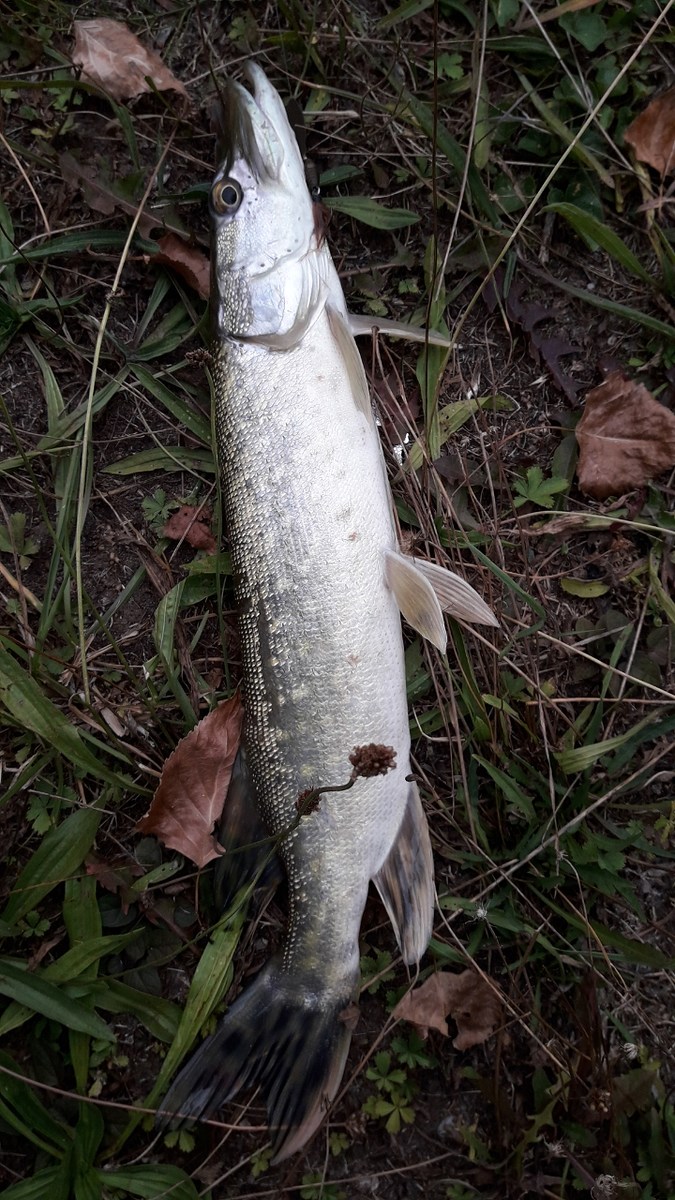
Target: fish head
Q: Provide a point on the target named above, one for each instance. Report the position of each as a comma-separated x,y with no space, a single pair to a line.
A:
264,238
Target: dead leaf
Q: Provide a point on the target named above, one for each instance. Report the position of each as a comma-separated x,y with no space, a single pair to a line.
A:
652,134
469,998
112,56
194,783
530,315
625,438
189,524
191,264
115,878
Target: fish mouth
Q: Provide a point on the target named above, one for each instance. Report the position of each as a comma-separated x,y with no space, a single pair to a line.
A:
253,127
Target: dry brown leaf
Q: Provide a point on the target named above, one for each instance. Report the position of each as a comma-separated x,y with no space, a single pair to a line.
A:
190,525
112,56
194,783
469,998
625,438
652,134
188,262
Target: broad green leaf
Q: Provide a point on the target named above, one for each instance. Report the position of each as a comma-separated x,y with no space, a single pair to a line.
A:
74,964
48,1000
161,1017
151,1182
24,699
28,1114
590,588
38,1187
580,758
59,856
566,135
623,311
164,458
362,208
404,12
594,232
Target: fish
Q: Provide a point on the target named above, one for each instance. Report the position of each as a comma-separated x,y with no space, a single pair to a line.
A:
320,583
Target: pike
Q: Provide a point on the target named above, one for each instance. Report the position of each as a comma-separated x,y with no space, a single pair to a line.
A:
320,583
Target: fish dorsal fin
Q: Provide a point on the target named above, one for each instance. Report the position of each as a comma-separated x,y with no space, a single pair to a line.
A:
406,881
340,330
362,326
455,595
416,598
424,591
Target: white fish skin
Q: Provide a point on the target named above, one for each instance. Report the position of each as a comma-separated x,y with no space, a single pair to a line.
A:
309,516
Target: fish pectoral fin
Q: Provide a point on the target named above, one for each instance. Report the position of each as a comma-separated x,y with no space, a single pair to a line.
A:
360,326
416,598
249,851
406,881
455,595
282,1034
344,338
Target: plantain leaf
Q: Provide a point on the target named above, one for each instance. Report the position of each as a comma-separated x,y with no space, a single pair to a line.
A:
151,1182
59,856
362,208
48,1000
595,233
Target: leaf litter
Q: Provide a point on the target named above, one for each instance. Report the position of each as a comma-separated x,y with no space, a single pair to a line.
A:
110,55
625,438
187,261
652,134
193,785
472,1000
190,524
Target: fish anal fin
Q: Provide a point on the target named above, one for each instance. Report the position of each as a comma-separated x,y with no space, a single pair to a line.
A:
455,595
249,851
406,881
283,1034
416,598
344,338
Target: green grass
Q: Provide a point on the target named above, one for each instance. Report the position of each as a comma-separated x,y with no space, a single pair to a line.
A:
479,150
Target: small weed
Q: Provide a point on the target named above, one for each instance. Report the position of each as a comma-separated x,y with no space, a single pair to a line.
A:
15,541
314,1187
533,488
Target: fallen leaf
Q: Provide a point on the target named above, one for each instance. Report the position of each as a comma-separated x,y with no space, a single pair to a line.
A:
625,438
115,878
194,783
652,134
469,998
189,524
112,56
188,262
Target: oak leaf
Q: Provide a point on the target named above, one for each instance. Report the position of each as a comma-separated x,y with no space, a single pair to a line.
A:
193,785
187,261
471,999
189,524
652,134
110,55
625,438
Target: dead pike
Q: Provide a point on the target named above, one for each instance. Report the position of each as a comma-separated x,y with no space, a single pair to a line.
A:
320,583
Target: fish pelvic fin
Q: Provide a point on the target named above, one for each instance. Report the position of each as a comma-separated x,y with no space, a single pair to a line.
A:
406,881
282,1034
424,591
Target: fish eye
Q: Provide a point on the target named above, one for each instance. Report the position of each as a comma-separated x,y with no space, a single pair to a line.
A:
226,196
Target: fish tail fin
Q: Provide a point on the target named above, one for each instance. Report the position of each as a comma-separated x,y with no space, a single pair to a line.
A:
406,881
290,1039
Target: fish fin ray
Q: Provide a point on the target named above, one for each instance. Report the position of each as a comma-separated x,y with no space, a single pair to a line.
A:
406,881
455,595
342,334
416,598
361,325
288,1038
249,850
